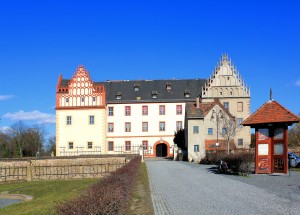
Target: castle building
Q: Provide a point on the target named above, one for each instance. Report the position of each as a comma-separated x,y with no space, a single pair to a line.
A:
115,117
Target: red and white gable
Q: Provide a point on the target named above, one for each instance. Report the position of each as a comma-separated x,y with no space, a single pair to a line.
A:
79,92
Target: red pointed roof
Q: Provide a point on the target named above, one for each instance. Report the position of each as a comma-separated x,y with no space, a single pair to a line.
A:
271,112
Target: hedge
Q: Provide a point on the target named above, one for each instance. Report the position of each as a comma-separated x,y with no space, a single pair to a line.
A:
111,195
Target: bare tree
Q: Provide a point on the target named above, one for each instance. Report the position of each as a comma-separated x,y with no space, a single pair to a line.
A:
229,130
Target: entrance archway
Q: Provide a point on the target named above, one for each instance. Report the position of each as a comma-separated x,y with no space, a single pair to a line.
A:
161,149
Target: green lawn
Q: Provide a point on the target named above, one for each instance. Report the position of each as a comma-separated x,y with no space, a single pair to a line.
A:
46,194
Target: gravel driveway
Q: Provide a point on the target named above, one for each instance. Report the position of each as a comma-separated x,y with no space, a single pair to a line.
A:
188,188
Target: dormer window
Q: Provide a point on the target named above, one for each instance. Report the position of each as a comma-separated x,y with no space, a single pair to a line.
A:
187,94
136,87
168,86
119,95
154,94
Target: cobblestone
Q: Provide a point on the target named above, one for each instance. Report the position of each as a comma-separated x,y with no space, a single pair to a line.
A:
185,188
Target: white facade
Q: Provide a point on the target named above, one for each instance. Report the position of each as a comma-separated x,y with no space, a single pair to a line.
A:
156,125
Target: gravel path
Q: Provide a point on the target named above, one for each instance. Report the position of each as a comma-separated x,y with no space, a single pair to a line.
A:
185,188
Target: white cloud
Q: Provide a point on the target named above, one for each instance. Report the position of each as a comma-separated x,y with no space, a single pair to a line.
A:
5,97
42,118
297,83
5,129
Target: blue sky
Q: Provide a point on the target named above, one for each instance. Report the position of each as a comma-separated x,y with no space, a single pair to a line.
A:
129,40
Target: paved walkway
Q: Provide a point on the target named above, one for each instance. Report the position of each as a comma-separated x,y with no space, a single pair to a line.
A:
185,188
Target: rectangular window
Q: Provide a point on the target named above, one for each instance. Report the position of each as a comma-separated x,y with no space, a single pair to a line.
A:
195,129
145,144
178,125
224,130
226,105
179,109
196,148
71,145
110,127
145,127
94,99
82,99
67,100
69,120
240,106
162,110
127,145
110,146
210,131
110,111
162,126
127,127
92,120
127,110
240,142
90,145
239,121
145,110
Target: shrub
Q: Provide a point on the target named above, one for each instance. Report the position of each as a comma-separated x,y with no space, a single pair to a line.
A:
110,195
241,162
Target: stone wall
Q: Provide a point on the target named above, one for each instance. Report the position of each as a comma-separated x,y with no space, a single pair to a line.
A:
59,168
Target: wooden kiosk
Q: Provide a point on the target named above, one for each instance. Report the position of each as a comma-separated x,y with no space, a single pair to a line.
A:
271,123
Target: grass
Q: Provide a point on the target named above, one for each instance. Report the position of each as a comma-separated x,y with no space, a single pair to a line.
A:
141,203
46,195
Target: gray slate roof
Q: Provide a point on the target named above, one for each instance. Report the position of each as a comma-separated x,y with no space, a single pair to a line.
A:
178,89
176,93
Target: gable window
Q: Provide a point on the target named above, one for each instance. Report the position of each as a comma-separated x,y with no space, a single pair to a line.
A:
162,126
71,145
154,94
187,93
110,111
226,105
210,131
127,145
168,86
178,109
145,110
240,106
136,87
145,144
127,126
240,142
178,125
224,130
110,127
119,96
162,110
69,120
90,145
110,146
196,148
195,129
239,122
145,127
127,110
92,120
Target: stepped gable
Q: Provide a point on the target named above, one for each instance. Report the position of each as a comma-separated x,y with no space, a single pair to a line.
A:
225,81
271,112
153,90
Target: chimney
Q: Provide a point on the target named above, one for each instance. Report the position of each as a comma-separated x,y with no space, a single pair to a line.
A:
197,102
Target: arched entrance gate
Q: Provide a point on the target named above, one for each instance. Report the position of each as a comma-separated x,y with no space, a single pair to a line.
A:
161,149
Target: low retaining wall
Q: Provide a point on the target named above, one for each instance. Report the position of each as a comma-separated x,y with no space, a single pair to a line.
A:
58,168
